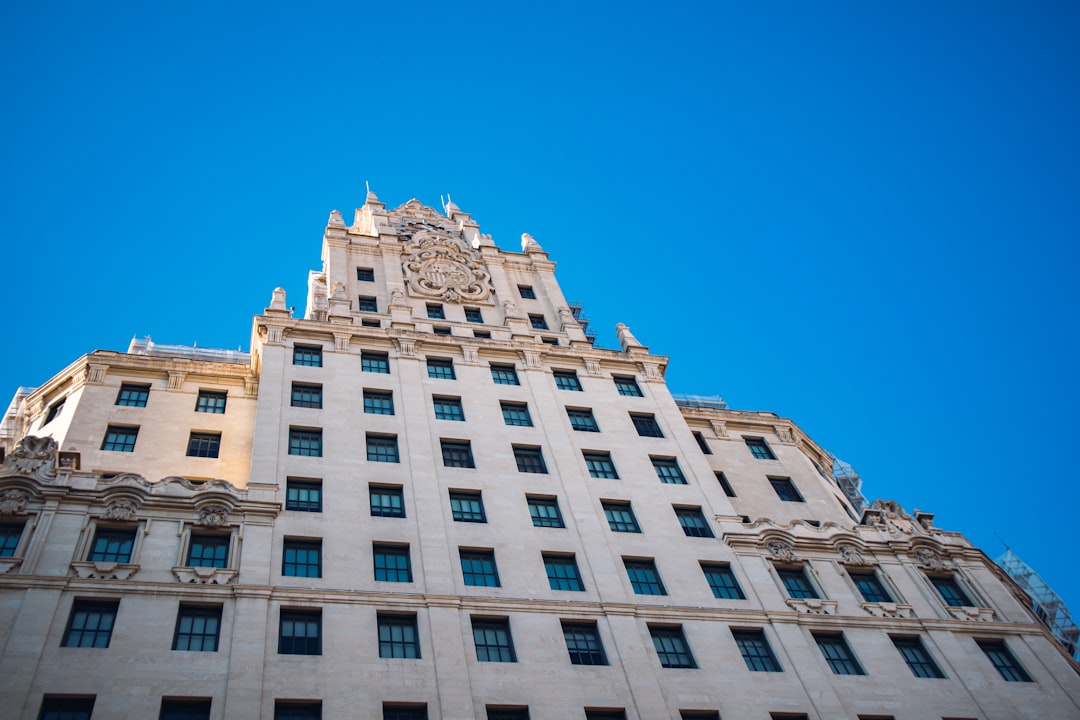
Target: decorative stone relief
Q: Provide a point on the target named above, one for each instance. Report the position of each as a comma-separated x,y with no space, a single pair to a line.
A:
510,310
529,244
532,359
405,346
33,457
205,575
592,367
566,316
438,266
720,428
397,298
120,511
652,372
341,341
890,516
213,515
471,354
781,550
95,374
785,434
7,564
850,555
415,217
13,502
176,380
812,606
251,387
930,559
971,613
888,610
104,570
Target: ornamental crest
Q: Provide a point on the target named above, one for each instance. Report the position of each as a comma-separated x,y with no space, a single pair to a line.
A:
213,516
13,502
33,457
438,266
781,550
414,218
120,511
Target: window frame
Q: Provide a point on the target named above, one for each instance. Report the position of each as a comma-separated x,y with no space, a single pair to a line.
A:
668,470
382,447
185,708
583,642
496,636
481,565
672,649
582,419
869,586
917,657
378,402
474,315
530,459
388,491
306,557
132,395
398,572
563,573
1003,660
308,355
306,395
515,414
111,533
62,707
725,484
526,292
11,534
644,575
448,407
293,644
365,274
457,453
722,581
546,520
504,374
124,438
211,401
367,304
646,426
693,521
435,311
756,650
785,489
204,444
406,623
104,610
759,448
208,540
626,521
374,362
305,441
537,321
467,506
191,611
567,380
440,368
950,591
600,465
627,385
796,583
837,653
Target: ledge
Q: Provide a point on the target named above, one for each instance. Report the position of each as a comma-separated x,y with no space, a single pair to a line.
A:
888,610
104,570
205,575
812,606
967,612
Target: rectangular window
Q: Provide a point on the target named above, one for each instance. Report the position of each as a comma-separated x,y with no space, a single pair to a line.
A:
205,550
378,402
505,713
467,507
132,395
301,558
620,517
544,512
755,651
951,592
917,658
440,369
198,628
537,322
583,643
366,303
386,501
308,355
375,362
504,374
493,640
526,292
529,459
724,484
202,444
54,411
211,401
870,587
643,577
90,624
693,522
759,448
440,330
600,464
397,711
627,386
699,715
435,311
645,424
593,714
398,636
306,395
671,647
722,581
457,453
516,414
796,583
66,708
392,563
566,380
786,490
10,533
478,568
365,274
837,654
184,709
483,334
448,408
582,420
562,572
382,448
120,439
667,469
112,545
370,322
1003,660
700,440
300,632
306,442
473,315
297,710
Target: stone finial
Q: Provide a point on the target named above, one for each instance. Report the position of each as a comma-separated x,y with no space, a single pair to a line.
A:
372,199
277,299
626,338
451,208
335,219
529,244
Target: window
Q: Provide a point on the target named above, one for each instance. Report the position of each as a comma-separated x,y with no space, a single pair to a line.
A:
301,558
441,330
297,710
66,708
759,448
375,362
583,643
396,711
473,315
620,517
386,501
303,495
504,713
504,375
667,469
722,581
619,714
646,425
493,641
526,292
370,322
643,577
112,545
478,568
365,274
796,583
537,322
435,311
366,303
529,459
516,414
699,715
382,448
870,587
440,368
582,419
917,658
627,386
693,522
306,442
378,402
211,401
483,334
671,647
54,411
120,439
600,465
206,550
700,439
90,624
562,572
457,453
724,484
786,490
448,408
198,628
301,632
398,637
306,396
544,512
392,563
184,709
10,533
467,507
1003,660
310,356
951,592
837,654
132,395
202,444
755,651
567,380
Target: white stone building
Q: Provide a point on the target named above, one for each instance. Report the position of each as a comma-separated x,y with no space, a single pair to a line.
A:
433,497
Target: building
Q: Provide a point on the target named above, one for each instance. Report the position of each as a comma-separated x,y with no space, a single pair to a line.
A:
432,496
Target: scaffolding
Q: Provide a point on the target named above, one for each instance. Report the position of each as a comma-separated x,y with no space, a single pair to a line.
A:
849,481
146,346
703,401
1045,603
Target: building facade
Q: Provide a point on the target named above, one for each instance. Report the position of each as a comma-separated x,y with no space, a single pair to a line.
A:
433,496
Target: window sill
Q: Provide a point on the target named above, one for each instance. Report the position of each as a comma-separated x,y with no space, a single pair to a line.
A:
812,606
967,612
205,575
104,570
888,610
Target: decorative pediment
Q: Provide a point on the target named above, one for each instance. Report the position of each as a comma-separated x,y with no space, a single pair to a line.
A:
415,217
888,609
205,575
889,515
32,457
440,266
813,606
99,570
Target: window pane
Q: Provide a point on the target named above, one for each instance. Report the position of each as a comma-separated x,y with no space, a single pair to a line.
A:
386,501
478,568
545,512
211,401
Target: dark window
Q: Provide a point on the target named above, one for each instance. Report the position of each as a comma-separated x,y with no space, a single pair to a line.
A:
755,651
837,654
478,568
671,647
112,545
198,628
724,484
646,425
722,581
375,362
301,558
484,334
562,572
11,532
538,322
605,714
208,551
65,708
759,448
201,444
297,710
473,315
627,386
120,439
700,439
529,460
516,414
211,401
184,709
643,577
526,292
951,592
870,587
457,453
583,643
367,304
796,583
600,465
305,442
301,632
467,507
382,448
398,636
620,517
503,713
307,355
440,368
404,712
435,311
392,563
307,396
693,522
90,624
493,641
566,380
378,402
504,375
582,419
370,322
54,411
440,330
303,495
132,395
544,512
386,501
699,715
786,490
917,658
365,274
448,408
1003,660
667,469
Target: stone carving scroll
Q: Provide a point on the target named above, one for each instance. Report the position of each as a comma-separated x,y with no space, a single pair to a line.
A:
438,266
781,551
13,502
33,457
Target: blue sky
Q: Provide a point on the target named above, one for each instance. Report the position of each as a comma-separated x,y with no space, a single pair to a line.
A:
862,216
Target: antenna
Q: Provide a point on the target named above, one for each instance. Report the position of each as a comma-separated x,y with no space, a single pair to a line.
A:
443,203
367,185
1002,541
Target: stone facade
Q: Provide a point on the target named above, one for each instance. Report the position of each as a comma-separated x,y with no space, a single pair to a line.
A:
433,496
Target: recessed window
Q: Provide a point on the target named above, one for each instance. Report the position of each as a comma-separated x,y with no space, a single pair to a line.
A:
467,507
382,448
392,563
537,322
620,516
54,411
671,647
493,640
693,522
786,490
90,624
920,662
306,442
566,380
951,592
699,715
441,330
667,469
398,711
378,402
504,375
562,572
66,708
303,495
375,362
132,395
505,713
365,274
448,408
755,651
10,533
473,315
796,583
301,558
440,368
870,587
544,512
644,577
837,654
366,303
583,643
529,459
759,448
300,632
119,438
600,464
646,425
478,568
594,714
700,440
308,355
582,420
184,709
370,322
482,334
435,311
198,628
211,401
203,444
526,292
386,501
457,453
549,340
516,414
306,395
112,545
398,636
627,386
722,581
297,710
208,550
724,484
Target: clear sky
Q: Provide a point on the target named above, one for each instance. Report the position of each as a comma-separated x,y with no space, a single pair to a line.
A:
862,216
